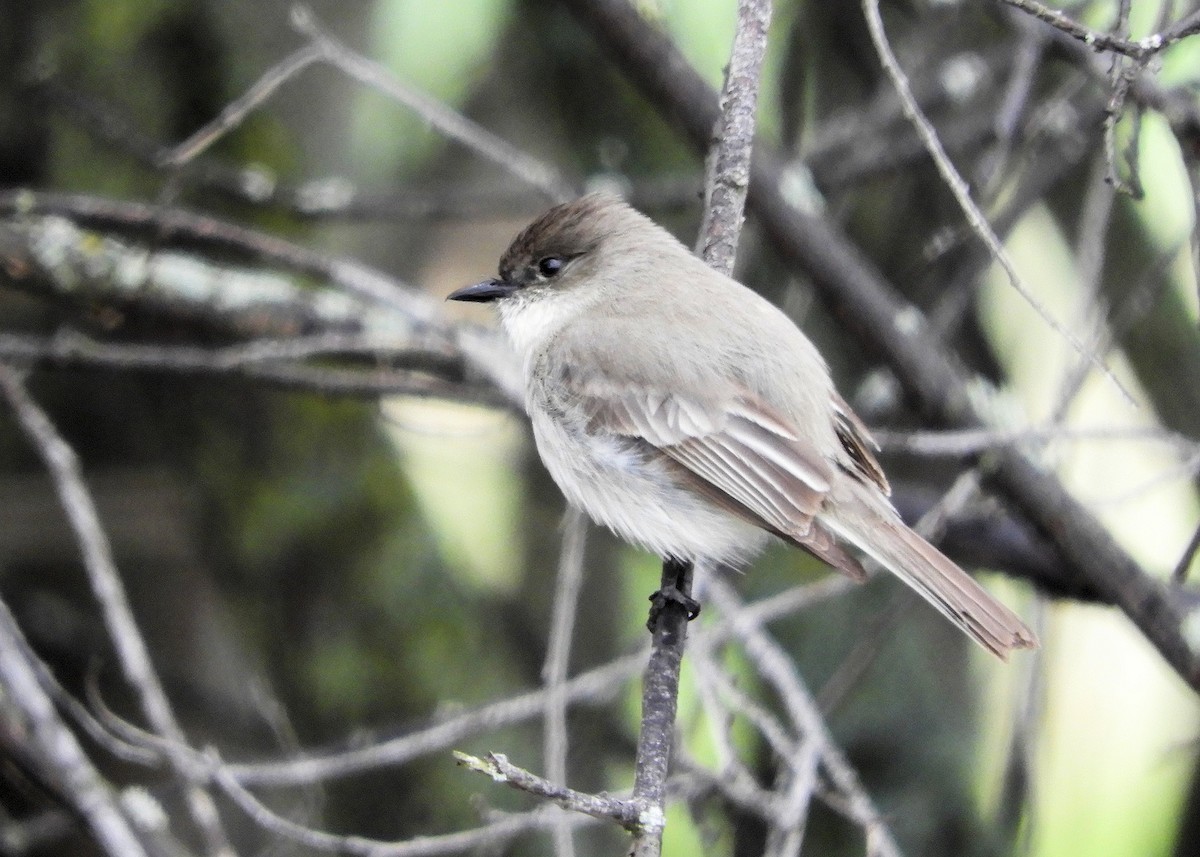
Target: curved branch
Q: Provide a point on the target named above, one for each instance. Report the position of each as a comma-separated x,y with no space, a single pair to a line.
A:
62,760
109,591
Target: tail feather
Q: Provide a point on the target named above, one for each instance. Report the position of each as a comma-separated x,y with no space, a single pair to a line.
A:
942,583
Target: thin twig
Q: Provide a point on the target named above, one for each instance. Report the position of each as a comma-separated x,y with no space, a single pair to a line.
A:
62,759
98,726
1101,41
388,370
774,665
965,443
76,500
1030,49
799,786
741,792
1124,73
441,117
324,48
236,111
962,193
558,656
597,686
1178,472
336,197
792,601
465,841
627,813
1092,246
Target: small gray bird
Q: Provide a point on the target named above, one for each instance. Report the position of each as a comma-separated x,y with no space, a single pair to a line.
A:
693,418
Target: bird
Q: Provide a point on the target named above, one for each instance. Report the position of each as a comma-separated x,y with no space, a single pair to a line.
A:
693,418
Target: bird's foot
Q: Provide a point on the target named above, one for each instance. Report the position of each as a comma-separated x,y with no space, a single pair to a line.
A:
669,594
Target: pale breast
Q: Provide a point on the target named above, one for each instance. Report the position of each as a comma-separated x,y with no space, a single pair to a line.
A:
627,485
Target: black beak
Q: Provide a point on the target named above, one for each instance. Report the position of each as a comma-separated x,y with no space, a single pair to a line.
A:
488,290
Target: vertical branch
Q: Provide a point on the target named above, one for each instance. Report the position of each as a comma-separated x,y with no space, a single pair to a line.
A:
660,696
725,195
558,656
729,159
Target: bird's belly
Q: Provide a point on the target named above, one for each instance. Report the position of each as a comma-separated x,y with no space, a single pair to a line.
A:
635,491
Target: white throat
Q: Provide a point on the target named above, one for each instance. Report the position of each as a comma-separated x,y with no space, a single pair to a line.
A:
530,323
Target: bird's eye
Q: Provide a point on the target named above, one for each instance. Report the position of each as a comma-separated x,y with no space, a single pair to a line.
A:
550,266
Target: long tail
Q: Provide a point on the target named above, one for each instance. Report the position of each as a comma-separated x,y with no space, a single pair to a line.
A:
942,583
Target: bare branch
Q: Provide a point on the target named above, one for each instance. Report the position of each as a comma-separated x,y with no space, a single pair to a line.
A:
236,111
595,686
174,226
387,370
958,187
420,846
63,465
558,655
441,117
780,671
1101,41
627,813
61,757
729,160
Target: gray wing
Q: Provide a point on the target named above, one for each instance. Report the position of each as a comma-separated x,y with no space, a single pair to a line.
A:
744,456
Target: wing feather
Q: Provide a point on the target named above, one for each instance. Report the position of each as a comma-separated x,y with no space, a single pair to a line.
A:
856,440
745,451
768,505
796,460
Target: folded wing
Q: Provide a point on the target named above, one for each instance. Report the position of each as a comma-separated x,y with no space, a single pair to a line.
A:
743,457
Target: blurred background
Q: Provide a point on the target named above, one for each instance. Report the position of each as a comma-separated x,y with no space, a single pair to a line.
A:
318,568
